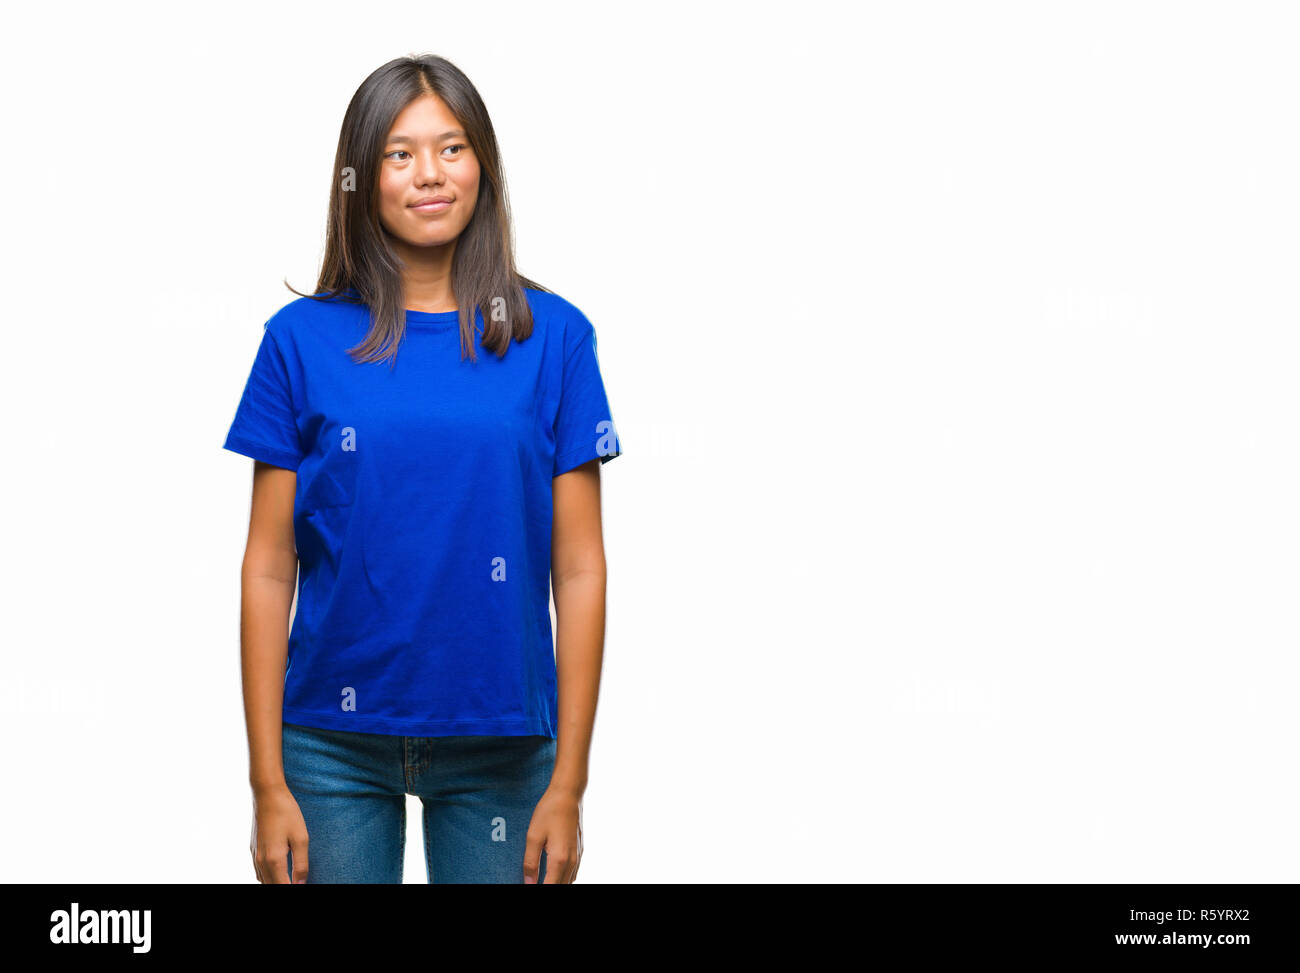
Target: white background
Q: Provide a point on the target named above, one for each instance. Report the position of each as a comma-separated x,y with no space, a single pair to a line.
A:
953,350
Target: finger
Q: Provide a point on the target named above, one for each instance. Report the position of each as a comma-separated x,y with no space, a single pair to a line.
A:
557,866
569,862
275,865
298,845
252,847
532,856
577,852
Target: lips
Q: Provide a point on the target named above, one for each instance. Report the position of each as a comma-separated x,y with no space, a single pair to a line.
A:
432,203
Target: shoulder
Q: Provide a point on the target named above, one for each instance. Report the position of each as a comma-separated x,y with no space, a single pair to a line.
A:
561,318
288,324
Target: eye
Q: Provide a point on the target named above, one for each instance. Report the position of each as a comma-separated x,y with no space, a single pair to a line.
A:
460,146
396,152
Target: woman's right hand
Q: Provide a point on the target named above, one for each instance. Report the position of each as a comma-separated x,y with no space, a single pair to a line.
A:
278,828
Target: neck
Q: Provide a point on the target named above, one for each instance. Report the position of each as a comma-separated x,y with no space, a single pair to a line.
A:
426,277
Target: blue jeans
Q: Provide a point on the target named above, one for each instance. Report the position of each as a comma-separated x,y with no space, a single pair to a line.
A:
478,794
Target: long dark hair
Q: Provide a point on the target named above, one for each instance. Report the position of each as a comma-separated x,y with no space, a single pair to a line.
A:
358,257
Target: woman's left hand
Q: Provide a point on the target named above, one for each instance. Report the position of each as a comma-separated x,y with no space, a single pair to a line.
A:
556,826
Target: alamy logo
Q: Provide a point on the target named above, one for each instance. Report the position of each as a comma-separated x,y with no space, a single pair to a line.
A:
607,443
349,444
105,926
349,704
498,829
498,568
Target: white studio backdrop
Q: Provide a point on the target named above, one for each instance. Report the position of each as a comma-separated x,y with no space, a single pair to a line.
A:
952,347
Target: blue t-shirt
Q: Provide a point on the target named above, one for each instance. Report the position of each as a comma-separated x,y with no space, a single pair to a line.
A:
423,512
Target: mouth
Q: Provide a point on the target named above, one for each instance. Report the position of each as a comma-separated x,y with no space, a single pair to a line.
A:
431,204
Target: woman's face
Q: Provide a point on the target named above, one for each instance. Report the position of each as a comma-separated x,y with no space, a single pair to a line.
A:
427,156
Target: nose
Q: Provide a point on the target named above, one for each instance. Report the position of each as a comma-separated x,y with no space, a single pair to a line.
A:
428,167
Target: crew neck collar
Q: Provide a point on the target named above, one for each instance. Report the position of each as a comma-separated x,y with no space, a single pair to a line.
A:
431,319
435,320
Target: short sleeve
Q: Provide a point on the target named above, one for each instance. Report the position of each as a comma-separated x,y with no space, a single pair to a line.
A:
584,427
265,426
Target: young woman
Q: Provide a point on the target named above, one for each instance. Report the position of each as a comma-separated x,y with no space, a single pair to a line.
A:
427,429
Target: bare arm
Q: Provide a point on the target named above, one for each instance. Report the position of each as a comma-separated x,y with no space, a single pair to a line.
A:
268,578
578,582
578,579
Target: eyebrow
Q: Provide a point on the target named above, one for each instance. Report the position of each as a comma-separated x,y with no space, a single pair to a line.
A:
455,133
